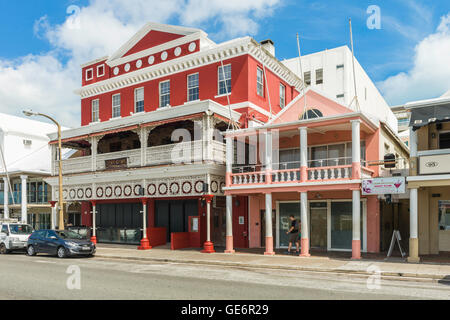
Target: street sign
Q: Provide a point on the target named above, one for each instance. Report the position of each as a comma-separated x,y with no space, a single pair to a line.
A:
395,236
391,185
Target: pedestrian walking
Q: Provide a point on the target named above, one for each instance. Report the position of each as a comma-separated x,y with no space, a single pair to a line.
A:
293,233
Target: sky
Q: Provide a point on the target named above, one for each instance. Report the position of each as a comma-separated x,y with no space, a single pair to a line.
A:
404,46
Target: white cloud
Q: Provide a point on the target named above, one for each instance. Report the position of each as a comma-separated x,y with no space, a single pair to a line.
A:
430,75
46,82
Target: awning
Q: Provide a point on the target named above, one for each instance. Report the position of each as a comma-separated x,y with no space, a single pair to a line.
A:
424,116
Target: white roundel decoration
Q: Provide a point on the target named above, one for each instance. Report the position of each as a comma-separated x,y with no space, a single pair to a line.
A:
174,188
99,192
177,51
127,190
164,56
151,189
187,187
72,193
108,192
192,46
138,64
214,186
88,193
162,188
151,60
198,186
116,71
64,193
80,193
117,191
222,185
127,67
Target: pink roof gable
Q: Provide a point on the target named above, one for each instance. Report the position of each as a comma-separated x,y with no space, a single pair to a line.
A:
314,100
153,39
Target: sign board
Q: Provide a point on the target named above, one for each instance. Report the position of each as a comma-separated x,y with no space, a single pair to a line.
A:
391,185
434,164
194,224
241,220
396,236
116,163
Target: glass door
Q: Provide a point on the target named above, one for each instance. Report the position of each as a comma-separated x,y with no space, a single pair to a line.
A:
318,224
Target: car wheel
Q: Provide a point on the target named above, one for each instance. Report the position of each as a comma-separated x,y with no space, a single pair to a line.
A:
31,251
62,253
3,249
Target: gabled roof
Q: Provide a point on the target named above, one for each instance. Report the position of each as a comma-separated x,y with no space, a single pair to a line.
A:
151,35
314,100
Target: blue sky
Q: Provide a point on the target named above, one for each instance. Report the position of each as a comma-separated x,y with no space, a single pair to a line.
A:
38,45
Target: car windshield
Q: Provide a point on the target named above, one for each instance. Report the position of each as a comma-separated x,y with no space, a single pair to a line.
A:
68,235
20,229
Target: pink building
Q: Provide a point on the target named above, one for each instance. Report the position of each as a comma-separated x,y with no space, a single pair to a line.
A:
314,171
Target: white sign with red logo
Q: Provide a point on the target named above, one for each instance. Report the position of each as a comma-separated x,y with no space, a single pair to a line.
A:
392,185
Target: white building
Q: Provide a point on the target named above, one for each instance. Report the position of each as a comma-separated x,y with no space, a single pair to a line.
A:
330,72
26,156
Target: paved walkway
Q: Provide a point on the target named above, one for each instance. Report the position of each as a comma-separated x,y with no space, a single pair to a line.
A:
395,267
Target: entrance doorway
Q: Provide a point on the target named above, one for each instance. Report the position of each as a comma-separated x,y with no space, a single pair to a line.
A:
318,222
263,226
174,215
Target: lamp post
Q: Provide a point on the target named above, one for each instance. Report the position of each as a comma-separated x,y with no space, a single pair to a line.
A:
30,113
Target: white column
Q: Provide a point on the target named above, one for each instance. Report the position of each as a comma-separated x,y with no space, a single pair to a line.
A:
413,226
144,219
356,149
143,136
230,153
24,217
5,198
94,225
413,168
53,217
268,157
304,224
229,224
356,225
268,217
94,146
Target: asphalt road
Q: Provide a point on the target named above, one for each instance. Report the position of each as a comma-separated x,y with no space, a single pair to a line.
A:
44,277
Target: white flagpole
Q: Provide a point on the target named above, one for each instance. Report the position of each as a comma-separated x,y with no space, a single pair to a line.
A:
355,98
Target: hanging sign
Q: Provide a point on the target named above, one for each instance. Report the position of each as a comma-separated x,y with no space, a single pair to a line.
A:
391,185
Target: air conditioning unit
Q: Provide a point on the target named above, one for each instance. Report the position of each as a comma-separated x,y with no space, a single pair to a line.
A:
27,142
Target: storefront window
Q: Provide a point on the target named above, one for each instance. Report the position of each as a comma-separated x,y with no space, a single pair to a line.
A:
444,214
341,225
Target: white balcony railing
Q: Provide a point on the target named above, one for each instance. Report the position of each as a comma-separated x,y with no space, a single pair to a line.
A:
175,153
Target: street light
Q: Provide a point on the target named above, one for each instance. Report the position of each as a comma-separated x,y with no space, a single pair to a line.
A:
30,113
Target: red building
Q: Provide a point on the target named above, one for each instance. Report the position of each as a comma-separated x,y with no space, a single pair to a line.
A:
150,138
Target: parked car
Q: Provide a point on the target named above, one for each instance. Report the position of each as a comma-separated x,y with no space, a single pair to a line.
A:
14,236
61,243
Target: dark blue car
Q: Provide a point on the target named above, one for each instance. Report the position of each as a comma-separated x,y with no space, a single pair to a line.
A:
61,243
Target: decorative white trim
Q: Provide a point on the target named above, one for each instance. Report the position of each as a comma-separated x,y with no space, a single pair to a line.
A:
434,177
86,74
98,73
127,67
139,64
177,51
301,184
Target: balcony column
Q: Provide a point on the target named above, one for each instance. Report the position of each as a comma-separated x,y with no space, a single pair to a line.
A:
208,246
268,216
94,227
143,133
5,198
413,225
303,154
356,225
145,244
229,223
229,159
24,195
268,156
356,149
412,152
53,215
304,224
94,147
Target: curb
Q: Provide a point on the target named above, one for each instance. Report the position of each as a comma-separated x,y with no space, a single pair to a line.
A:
387,275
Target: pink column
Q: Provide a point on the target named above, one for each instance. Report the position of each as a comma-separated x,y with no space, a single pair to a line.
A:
304,224
269,236
229,225
303,154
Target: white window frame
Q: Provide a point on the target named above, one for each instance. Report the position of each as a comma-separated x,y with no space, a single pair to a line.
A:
160,105
282,95
98,110
135,99
98,67
310,77
317,79
87,72
115,107
198,86
225,80
258,83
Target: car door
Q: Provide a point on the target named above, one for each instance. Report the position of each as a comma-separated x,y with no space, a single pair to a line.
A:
51,242
37,240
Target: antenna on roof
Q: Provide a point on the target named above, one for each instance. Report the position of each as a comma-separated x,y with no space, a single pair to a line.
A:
302,76
355,98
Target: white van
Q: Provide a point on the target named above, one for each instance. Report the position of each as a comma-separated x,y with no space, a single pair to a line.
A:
14,236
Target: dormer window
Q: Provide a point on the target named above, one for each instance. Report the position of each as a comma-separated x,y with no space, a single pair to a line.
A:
89,74
101,70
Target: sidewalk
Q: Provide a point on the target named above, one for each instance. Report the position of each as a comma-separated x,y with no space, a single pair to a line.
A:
396,268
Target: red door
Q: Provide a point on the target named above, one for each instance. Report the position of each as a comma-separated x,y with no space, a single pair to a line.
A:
240,222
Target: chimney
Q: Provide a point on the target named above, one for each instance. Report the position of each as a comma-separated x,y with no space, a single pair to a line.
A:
268,45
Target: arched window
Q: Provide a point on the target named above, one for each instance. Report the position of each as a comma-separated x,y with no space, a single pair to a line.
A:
311,114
